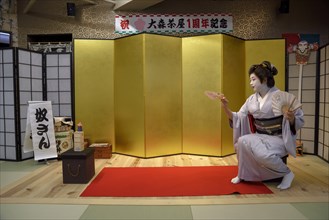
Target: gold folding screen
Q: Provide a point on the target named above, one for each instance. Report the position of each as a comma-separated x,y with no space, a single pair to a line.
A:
145,93
93,84
163,95
129,105
148,95
271,50
202,70
233,84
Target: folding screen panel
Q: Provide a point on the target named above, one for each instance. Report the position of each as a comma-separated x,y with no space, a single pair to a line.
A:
216,63
30,87
21,81
201,70
323,139
233,86
163,95
8,120
308,97
93,85
59,83
129,100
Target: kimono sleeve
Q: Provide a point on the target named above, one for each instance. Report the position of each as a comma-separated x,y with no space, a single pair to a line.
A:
240,123
289,138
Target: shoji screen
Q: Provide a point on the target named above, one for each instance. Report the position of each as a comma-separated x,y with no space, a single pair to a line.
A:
30,88
59,83
308,99
8,135
323,143
21,81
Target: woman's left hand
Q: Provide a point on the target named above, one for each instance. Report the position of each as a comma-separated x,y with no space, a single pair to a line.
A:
290,116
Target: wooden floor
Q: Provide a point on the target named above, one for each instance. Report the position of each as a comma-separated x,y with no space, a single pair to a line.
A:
45,185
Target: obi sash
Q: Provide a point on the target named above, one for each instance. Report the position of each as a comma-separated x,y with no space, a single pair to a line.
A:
270,126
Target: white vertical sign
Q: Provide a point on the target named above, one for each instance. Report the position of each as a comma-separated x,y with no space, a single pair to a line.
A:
40,123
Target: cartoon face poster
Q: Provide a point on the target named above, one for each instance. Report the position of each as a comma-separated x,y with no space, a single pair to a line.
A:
302,45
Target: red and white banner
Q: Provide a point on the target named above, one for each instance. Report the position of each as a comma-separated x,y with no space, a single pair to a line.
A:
199,23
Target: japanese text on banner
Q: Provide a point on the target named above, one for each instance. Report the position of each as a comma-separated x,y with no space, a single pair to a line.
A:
209,23
43,133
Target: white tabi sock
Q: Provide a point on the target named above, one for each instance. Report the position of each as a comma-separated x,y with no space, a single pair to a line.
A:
235,180
286,181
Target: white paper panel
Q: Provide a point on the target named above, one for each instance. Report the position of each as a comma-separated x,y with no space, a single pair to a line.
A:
53,97
2,152
24,70
65,72
52,60
65,60
8,70
65,110
24,84
8,56
37,96
36,59
10,112
9,98
24,57
10,125
2,122
11,153
65,97
52,72
25,97
37,85
64,85
9,84
52,85
10,139
37,72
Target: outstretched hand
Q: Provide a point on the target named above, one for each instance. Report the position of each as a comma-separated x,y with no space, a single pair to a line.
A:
223,100
290,116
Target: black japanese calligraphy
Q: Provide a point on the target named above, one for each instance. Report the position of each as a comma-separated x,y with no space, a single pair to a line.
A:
40,116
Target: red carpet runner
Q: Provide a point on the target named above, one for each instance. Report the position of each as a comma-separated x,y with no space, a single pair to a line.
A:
170,181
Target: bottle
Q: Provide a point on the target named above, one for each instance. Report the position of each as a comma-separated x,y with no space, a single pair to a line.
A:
79,138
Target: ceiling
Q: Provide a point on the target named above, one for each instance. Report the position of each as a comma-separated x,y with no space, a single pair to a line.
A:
119,5
133,5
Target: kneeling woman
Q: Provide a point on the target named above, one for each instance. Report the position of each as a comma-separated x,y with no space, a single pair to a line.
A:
259,154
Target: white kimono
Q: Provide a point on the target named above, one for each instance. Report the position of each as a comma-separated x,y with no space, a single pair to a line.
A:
259,155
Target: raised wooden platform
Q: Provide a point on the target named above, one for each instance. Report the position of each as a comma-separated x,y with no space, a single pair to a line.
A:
45,185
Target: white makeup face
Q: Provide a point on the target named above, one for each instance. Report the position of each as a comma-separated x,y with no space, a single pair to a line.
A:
255,82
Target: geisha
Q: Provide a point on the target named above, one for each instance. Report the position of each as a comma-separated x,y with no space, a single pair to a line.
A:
259,154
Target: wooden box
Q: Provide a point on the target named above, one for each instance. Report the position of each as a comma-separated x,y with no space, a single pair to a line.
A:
78,166
102,151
